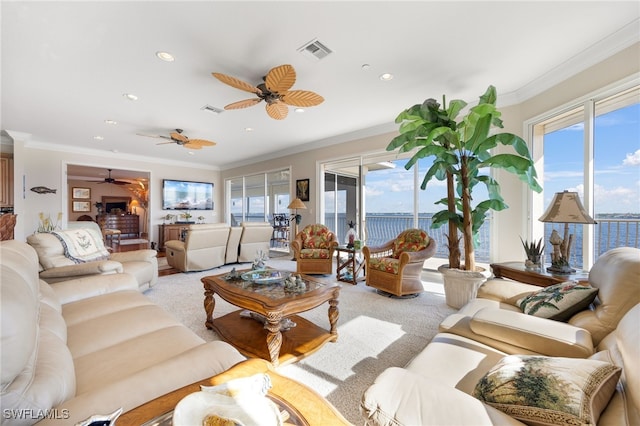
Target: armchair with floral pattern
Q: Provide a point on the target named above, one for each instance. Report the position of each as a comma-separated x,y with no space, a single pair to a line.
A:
313,249
395,267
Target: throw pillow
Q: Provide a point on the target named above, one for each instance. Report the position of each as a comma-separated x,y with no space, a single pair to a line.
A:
549,391
559,301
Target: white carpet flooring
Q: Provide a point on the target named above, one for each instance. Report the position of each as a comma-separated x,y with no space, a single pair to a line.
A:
374,332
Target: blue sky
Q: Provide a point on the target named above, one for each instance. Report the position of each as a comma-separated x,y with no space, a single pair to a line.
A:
617,170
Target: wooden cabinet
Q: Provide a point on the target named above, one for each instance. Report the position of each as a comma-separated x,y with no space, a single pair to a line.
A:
7,224
6,181
171,232
128,224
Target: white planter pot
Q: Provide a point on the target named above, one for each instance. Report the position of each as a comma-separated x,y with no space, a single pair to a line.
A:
461,286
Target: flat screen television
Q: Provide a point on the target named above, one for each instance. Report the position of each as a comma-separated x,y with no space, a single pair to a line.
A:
187,195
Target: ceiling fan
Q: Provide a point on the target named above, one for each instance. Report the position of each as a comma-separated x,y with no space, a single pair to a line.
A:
178,138
113,181
274,91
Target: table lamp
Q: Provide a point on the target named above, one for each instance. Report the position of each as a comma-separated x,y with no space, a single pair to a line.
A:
564,208
295,205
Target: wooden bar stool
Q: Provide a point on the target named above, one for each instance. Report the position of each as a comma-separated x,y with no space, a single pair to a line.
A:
109,235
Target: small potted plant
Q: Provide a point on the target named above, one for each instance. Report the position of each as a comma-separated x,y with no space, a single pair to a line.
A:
534,251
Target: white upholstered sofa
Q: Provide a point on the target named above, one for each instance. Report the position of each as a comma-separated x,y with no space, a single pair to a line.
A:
90,345
489,336
256,237
56,265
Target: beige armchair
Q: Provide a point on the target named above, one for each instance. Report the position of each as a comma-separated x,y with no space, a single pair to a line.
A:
313,249
395,267
256,236
58,263
204,247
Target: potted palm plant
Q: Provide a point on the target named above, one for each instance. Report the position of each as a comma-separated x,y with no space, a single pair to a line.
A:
460,148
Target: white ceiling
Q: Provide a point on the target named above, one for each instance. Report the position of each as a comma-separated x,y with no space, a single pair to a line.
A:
66,66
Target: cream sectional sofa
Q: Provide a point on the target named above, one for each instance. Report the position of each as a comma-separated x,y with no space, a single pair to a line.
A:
90,345
436,387
55,266
208,246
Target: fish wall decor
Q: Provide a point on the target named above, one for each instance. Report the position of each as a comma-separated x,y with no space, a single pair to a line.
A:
43,190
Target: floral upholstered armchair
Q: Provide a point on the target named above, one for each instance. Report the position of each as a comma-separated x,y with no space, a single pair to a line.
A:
395,266
313,249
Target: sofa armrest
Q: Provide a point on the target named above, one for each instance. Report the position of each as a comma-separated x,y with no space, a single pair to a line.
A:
540,335
175,245
400,397
506,291
82,269
135,255
96,285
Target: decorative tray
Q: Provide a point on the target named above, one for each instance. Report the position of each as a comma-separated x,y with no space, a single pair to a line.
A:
266,276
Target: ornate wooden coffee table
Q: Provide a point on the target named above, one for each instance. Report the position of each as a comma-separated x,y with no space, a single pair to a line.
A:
303,406
274,303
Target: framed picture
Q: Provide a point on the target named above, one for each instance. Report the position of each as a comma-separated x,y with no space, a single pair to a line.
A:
81,206
81,193
302,189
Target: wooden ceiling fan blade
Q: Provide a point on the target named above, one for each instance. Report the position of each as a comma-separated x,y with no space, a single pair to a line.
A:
277,110
201,142
280,79
178,137
192,145
302,98
237,83
243,104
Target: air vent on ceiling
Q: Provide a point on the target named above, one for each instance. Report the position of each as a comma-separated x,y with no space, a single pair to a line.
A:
212,109
315,50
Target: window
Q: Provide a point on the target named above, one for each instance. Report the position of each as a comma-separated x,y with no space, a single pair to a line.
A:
255,198
593,148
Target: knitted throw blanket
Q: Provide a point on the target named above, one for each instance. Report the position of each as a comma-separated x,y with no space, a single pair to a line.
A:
82,245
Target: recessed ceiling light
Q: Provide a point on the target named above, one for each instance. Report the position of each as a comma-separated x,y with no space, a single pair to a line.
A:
130,96
114,150
98,138
165,56
386,76
248,129
191,153
111,121
365,66
299,110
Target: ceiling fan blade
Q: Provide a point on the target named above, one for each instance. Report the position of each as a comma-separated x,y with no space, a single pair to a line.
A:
201,142
165,143
237,83
178,137
277,110
243,104
281,78
302,98
153,136
192,145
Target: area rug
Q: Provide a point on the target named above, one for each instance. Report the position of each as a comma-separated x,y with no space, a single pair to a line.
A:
374,332
127,242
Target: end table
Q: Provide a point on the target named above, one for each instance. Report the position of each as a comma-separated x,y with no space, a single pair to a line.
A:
349,265
542,278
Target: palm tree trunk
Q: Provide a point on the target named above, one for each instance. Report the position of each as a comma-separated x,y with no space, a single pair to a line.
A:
452,237
467,228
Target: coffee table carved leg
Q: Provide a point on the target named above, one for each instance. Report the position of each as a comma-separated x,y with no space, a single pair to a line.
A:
274,336
334,313
209,305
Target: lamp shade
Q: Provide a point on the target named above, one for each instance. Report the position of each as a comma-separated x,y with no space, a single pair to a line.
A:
296,204
566,208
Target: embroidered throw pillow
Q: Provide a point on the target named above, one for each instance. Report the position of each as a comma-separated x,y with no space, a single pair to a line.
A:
548,390
559,301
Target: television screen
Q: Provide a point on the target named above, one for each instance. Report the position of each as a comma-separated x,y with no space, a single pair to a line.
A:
186,195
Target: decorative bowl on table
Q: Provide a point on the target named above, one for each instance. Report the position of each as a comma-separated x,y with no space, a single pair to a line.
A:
266,276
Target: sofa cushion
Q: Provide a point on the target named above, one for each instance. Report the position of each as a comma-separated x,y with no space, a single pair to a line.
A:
410,240
549,391
50,251
385,264
559,301
82,245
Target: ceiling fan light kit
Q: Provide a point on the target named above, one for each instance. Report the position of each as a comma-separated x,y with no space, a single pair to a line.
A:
274,91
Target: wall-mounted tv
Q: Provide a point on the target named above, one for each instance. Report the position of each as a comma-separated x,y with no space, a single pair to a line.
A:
186,195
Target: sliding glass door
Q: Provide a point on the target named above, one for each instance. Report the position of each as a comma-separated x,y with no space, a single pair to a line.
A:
257,197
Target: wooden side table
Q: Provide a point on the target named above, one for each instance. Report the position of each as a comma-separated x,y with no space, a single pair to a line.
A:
518,272
304,405
349,267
